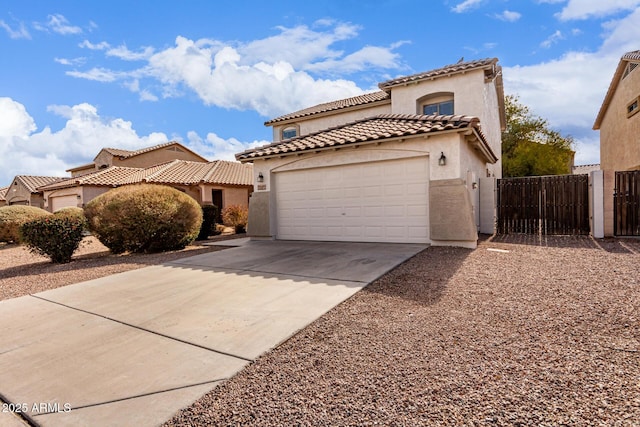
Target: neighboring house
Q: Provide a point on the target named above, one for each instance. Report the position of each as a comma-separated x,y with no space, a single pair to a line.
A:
619,124
618,119
219,182
3,192
24,190
400,165
142,158
584,169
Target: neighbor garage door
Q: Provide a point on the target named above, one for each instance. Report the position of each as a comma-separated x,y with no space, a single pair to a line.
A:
60,202
383,201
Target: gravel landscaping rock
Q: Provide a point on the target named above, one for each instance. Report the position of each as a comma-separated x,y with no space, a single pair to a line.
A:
521,331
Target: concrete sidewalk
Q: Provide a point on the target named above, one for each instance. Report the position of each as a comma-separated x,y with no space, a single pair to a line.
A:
133,348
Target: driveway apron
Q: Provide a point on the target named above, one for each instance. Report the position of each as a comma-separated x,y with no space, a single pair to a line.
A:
133,348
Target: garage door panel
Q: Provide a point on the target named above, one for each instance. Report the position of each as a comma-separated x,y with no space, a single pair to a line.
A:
383,201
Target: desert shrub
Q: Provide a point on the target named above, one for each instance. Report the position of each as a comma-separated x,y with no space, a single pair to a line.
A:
73,212
12,217
209,214
235,216
55,236
144,218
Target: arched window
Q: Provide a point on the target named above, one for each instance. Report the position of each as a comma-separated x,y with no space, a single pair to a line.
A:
436,103
289,132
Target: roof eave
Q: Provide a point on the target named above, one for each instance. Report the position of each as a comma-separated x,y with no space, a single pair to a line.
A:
617,76
277,122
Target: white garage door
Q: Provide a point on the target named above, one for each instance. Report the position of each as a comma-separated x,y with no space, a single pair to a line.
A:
383,201
60,202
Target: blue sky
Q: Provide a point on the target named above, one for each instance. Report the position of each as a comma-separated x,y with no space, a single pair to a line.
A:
77,76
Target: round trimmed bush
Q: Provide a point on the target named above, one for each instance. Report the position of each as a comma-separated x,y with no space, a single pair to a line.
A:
74,213
55,236
12,217
144,218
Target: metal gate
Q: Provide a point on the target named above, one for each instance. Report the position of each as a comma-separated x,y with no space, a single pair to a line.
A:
544,205
626,204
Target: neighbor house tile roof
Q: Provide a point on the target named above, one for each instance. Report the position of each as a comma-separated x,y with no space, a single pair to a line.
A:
584,169
32,183
372,129
190,173
634,57
124,154
447,70
3,193
174,172
367,98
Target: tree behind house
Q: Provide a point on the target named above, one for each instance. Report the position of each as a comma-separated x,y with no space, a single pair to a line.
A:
530,147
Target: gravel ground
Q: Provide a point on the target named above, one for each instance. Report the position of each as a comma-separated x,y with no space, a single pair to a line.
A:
521,331
24,273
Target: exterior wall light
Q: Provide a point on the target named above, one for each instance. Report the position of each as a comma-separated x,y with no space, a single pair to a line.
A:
443,159
260,177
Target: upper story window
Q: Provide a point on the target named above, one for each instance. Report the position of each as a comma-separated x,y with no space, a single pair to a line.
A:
632,107
440,103
289,132
445,107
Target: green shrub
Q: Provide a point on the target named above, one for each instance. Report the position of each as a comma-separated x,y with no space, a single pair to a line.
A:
235,216
12,217
209,214
55,236
70,212
144,218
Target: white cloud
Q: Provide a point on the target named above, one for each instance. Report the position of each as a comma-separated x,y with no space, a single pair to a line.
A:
19,33
97,46
552,39
96,74
569,90
72,61
58,24
127,55
466,5
272,76
583,9
23,151
508,16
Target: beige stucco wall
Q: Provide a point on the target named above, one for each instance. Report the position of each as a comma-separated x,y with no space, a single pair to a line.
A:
156,157
321,122
472,97
20,195
462,162
619,134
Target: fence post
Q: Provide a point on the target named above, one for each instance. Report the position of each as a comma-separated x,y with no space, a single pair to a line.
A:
488,205
596,203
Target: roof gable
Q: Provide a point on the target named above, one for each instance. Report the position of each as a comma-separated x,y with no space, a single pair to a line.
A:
126,154
373,129
32,183
629,57
3,193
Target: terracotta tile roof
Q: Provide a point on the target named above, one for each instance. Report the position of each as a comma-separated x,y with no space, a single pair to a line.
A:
634,57
124,154
3,193
173,172
377,128
192,173
367,98
110,177
33,182
447,70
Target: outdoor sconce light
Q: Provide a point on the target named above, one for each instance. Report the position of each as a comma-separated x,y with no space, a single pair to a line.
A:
443,159
78,196
260,177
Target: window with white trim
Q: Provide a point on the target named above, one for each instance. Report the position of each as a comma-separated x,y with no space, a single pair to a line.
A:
289,132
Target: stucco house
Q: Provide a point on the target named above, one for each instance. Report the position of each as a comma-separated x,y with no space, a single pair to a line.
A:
3,192
142,158
618,119
404,164
24,190
619,124
219,182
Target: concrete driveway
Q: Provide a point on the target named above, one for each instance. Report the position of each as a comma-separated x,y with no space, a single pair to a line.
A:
133,348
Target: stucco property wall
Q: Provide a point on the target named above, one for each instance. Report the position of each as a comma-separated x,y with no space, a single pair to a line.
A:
619,134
